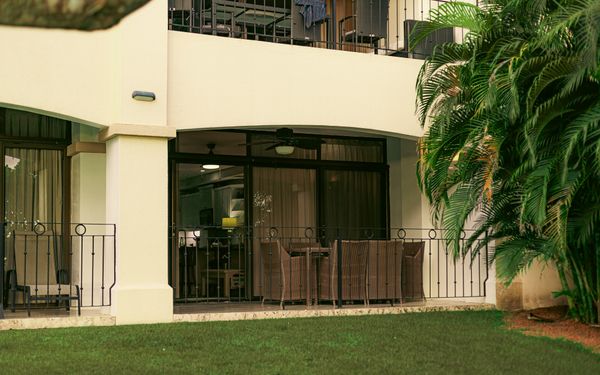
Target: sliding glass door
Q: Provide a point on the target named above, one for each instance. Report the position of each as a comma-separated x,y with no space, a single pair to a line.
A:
209,253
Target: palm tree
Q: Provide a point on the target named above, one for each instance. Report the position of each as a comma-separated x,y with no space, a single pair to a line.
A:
513,139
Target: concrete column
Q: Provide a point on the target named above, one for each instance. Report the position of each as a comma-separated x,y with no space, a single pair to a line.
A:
88,205
136,201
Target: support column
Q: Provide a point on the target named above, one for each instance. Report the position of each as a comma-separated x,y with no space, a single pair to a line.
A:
136,201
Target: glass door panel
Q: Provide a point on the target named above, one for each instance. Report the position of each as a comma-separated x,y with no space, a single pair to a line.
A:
210,260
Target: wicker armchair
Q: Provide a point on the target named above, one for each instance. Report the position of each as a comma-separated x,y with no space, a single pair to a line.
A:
283,276
354,272
412,271
384,273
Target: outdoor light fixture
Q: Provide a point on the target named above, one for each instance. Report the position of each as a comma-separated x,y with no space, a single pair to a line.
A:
284,150
144,96
209,166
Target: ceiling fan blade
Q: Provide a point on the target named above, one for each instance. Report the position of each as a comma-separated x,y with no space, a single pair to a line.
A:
276,144
257,143
308,143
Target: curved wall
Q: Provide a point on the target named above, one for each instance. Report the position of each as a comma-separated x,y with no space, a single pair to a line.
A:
201,81
89,76
217,82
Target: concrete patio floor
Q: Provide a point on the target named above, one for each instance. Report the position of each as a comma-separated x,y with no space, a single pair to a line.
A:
248,311
226,311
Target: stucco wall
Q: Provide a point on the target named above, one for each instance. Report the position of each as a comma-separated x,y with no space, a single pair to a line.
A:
538,284
223,82
89,76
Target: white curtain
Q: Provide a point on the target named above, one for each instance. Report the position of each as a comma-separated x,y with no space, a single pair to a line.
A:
33,186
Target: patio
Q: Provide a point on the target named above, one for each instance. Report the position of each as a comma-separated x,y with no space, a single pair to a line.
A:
206,312
252,311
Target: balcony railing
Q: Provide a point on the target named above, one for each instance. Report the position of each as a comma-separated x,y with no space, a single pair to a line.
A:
57,265
368,26
318,265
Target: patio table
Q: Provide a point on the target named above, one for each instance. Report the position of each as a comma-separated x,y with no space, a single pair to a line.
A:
309,252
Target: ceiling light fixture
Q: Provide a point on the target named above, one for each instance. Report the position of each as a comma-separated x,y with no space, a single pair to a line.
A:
144,96
210,166
284,150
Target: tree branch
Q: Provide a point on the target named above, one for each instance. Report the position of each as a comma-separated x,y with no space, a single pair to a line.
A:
67,14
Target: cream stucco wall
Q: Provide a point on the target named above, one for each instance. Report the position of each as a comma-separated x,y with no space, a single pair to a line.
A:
89,76
539,282
407,209
532,289
225,82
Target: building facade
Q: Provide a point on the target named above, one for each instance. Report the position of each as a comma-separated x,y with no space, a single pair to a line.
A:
255,115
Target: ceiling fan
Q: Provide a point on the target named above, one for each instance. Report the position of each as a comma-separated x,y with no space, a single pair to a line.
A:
286,142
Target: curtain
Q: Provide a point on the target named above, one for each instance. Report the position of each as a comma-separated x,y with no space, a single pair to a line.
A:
352,150
33,186
285,199
353,204
27,124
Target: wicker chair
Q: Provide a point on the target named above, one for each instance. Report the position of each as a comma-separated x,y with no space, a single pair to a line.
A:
384,273
412,271
354,272
283,276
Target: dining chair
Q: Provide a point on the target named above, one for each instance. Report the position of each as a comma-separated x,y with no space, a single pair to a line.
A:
283,276
353,272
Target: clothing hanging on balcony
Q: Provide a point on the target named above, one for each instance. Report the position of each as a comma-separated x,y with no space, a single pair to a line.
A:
312,11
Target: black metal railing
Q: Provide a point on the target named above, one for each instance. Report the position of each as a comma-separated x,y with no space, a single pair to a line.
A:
57,265
368,26
321,265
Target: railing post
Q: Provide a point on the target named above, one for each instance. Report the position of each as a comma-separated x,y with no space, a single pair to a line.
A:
487,266
333,24
339,269
2,274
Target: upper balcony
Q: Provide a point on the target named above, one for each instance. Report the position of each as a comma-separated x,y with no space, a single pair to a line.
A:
367,26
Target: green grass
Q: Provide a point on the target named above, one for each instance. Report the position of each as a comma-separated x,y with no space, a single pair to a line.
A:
421,343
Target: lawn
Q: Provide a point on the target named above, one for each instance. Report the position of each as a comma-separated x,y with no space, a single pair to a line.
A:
425,343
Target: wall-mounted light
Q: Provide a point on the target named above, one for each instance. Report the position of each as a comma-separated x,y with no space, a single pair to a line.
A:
144,96
284,150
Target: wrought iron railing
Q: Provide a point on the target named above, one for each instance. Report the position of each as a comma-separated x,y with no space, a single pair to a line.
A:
305,265
57,265
368,26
